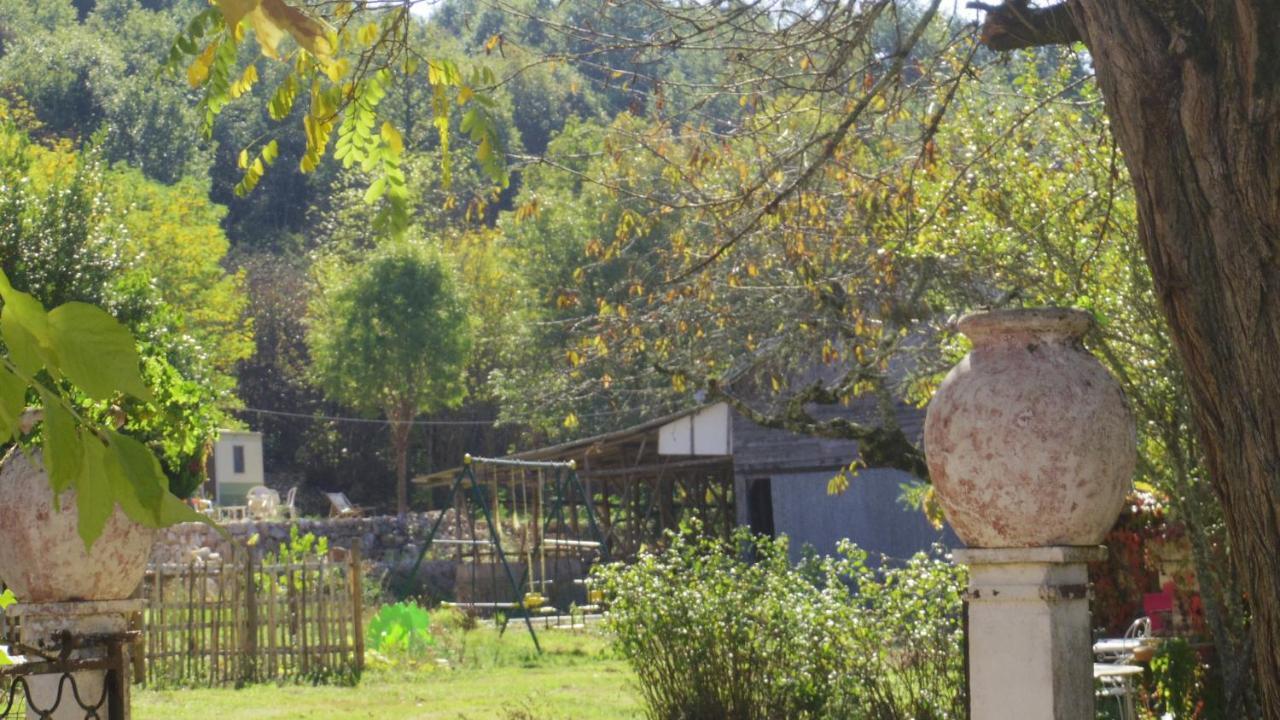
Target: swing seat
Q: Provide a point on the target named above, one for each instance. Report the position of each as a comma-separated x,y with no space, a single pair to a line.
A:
533,600
466,543
481,605
557,542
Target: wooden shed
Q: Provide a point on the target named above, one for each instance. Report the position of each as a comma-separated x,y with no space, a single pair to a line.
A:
714,464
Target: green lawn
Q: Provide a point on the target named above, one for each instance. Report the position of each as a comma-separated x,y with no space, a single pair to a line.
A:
488,679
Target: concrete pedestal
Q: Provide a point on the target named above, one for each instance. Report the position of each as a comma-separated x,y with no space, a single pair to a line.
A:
41,626
1030,645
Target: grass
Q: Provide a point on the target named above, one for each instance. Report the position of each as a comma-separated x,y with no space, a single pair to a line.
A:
489,678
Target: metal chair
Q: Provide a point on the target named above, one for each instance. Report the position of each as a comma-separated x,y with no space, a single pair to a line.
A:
1115,670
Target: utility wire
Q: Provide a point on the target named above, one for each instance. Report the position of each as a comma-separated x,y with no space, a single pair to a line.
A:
432,423
371,421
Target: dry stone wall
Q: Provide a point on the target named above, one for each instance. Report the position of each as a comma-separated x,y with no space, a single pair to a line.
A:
388,544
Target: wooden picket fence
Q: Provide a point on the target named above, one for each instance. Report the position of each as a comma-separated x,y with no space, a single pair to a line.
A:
212,624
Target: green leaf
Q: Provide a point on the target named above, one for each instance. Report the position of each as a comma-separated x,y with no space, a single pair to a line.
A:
24,325
375,190
174,511
7,599
94,501
137,482
13,399
62,452
96,352
23,347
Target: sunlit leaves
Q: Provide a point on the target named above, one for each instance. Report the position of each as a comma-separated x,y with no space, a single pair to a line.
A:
13,392
62,439
282,98
83,353
255,169
94,499
95,351
343,72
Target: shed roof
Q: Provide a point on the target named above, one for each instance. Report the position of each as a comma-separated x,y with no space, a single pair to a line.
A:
629,450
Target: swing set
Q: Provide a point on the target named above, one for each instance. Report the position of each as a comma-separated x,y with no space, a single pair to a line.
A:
544,531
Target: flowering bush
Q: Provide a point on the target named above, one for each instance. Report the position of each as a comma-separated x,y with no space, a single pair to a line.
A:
734,631
1140,545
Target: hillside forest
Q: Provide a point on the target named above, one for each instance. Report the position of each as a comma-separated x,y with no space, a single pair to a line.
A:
609,228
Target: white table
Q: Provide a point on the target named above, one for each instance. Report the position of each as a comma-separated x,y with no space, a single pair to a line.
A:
1107,670
1120,646
1117,683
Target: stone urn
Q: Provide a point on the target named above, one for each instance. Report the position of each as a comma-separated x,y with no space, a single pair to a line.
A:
43,559
1029,439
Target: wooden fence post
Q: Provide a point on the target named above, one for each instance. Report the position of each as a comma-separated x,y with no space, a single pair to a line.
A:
357,602
249,641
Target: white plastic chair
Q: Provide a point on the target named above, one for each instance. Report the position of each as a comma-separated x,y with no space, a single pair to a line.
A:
290,509
263,503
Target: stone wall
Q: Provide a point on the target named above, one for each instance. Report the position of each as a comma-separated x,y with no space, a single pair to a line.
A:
388,544
383,540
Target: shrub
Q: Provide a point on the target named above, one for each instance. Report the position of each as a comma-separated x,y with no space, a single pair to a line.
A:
711,634
400,628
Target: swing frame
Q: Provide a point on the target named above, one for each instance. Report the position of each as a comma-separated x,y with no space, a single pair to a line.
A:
467,487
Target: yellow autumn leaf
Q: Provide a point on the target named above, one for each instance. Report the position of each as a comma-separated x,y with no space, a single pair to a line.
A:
391,136
272,20
337,69
233,11
198,71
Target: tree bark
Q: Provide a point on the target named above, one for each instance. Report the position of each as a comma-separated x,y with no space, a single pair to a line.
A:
400,416
1193,93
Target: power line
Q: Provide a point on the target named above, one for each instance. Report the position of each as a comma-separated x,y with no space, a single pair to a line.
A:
371,421
425,423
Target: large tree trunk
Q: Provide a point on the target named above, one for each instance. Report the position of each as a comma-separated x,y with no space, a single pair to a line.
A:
1193,92
400,416
1197,118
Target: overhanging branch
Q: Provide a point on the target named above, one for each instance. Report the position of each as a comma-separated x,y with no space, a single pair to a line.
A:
1014,25
878,445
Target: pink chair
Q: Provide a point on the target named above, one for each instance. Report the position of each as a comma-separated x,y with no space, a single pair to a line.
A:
1159,607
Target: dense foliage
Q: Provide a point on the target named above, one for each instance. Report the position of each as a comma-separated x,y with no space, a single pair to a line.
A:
735,631
71,230
391,336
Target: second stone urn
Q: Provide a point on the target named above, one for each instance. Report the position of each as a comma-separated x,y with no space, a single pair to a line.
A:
1029,440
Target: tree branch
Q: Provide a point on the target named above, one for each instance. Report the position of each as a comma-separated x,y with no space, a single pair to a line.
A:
1013,25
878,445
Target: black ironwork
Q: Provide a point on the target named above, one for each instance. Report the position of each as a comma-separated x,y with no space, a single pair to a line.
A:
105,653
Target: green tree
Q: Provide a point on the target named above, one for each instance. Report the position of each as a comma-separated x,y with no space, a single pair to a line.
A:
70,230
390,336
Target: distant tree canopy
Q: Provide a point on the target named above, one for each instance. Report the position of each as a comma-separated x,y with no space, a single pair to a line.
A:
72,230
389,336
777,204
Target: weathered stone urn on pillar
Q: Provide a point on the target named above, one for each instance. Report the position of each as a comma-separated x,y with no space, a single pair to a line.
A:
1031,450
61,587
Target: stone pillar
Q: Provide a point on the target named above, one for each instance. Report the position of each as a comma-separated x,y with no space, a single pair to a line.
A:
1029,632
42,625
